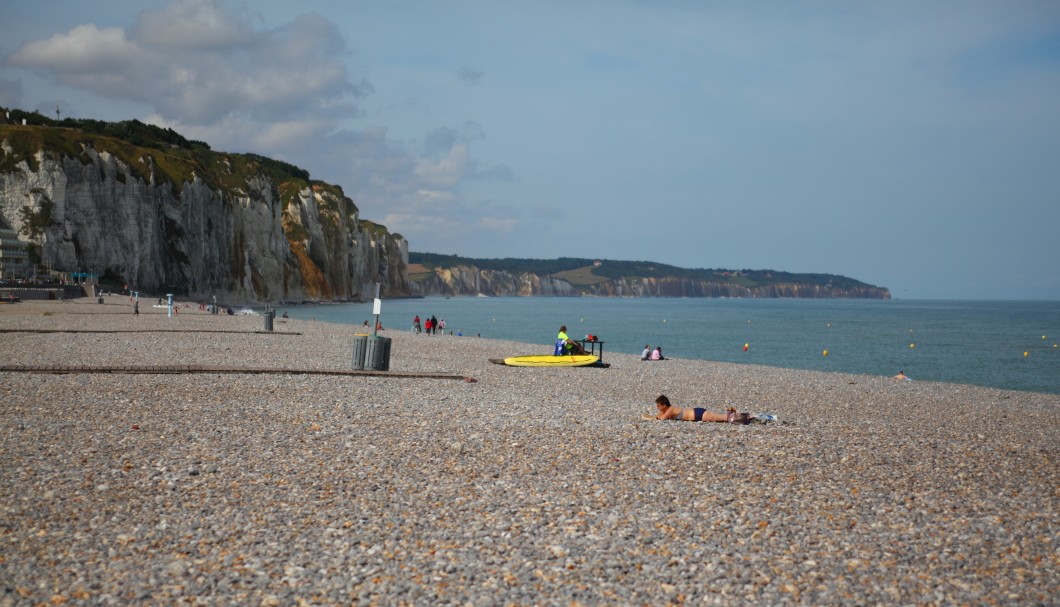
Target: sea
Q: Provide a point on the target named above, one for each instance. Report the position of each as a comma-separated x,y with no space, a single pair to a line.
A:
1010,345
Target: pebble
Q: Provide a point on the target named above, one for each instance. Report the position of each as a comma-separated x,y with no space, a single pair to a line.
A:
527,486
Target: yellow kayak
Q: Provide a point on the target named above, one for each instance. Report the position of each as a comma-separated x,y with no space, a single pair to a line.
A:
548,360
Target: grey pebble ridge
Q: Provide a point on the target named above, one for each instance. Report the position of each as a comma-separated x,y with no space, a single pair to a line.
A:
524,487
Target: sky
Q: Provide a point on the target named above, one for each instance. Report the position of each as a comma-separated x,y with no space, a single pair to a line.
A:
911,145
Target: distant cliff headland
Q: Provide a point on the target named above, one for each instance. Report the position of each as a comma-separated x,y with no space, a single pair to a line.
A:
140,205
572,277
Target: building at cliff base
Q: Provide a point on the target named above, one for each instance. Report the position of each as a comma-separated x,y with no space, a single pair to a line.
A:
14,256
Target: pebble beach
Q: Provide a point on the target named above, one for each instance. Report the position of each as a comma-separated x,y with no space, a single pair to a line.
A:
481,484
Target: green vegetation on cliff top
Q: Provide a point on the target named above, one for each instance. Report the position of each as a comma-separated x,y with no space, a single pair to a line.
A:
582,272
176,160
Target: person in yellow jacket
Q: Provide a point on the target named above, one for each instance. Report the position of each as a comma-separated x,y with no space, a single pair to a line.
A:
566,345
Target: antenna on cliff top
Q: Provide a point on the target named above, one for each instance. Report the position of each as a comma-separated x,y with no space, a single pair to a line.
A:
57,112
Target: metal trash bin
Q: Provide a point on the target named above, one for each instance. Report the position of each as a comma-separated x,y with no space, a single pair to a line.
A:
377,354
269,316
360,344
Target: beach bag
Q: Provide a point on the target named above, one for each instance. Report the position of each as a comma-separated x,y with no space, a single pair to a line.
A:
561,348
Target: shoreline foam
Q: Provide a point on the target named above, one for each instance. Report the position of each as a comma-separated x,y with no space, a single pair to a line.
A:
530,486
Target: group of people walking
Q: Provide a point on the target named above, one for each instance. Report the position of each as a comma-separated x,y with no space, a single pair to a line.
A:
429,326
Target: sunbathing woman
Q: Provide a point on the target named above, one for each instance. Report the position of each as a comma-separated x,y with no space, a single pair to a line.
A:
697,414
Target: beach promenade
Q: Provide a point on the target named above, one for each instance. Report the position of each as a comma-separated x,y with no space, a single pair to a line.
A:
270,475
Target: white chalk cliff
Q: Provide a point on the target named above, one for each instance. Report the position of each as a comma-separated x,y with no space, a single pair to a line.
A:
196,224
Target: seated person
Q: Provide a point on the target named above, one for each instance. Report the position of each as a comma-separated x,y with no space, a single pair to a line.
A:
566,345
646,354
689,414
657,354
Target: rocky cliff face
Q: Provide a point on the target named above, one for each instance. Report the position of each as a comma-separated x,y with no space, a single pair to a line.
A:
467,280
218,231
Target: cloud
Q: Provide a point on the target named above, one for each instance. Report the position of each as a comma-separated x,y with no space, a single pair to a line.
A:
10,92
290,140
76,56
470,77
447,171
448,149
416,191
429,232
498,172
197,64
193,24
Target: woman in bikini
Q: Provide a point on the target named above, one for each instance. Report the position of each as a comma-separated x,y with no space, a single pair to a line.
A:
698,414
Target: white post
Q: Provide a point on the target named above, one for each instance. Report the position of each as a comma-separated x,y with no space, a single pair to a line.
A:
377,308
